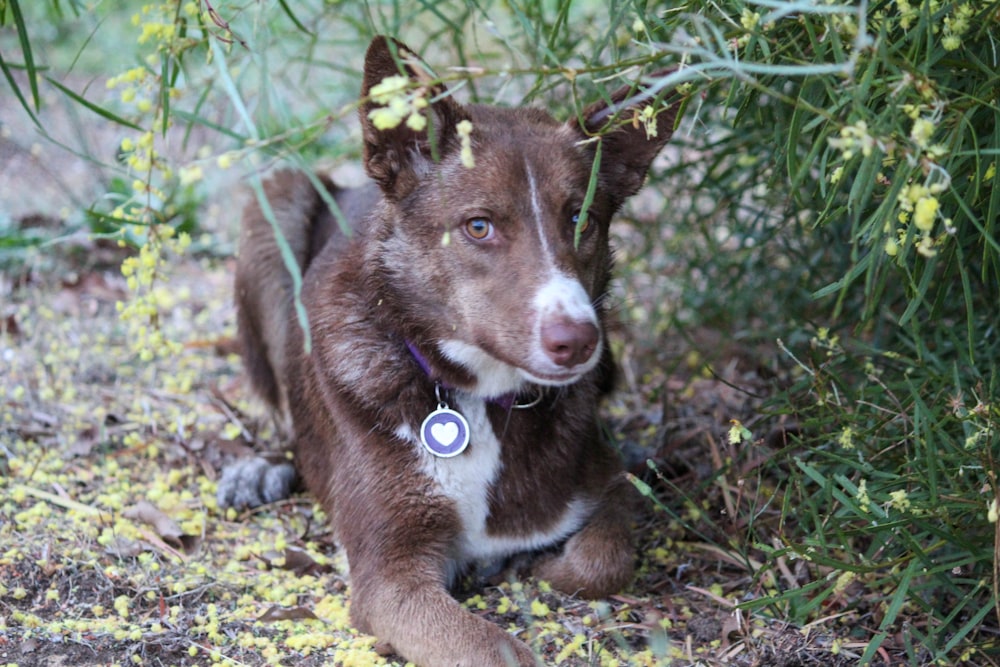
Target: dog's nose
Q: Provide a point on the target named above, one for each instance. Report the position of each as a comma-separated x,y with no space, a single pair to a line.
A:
568,343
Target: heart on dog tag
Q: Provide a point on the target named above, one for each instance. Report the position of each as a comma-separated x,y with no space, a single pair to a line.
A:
445,433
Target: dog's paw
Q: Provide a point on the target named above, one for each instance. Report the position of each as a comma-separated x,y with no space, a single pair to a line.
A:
254,481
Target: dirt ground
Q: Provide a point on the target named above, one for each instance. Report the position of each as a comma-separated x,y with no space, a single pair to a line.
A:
112,548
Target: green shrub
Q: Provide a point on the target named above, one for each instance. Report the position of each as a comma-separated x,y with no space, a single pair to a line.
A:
871,133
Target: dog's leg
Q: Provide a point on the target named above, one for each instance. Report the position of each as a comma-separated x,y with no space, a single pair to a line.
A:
398,537
254,481
600,559
430,628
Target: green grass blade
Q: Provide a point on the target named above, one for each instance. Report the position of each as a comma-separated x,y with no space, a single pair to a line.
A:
165,92
195,119
17,91
231,90
588,198
287,257
29,59
291,15
100,111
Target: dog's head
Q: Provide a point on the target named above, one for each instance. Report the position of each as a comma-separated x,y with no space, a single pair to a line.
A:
484,259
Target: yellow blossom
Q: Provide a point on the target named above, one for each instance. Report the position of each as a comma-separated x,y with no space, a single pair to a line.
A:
464,129
648,119
388,88
925,212
121,605
922,131
738,432
899,500
926,246
891,247
384,118
397,104
852,138
864,502
844,580
539,608
189,175
749,19
911,194
416,122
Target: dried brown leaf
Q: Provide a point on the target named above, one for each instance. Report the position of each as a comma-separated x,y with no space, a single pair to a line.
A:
166,528
276,613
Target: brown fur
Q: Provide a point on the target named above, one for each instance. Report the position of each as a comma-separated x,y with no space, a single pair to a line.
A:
408,274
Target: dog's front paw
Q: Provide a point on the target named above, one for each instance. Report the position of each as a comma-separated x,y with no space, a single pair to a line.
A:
254,481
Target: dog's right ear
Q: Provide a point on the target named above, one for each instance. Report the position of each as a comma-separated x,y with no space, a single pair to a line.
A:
406,118
633,125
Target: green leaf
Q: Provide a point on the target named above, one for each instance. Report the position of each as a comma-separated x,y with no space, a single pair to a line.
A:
29,60
291,15
17,91
588,198
100,111
288,257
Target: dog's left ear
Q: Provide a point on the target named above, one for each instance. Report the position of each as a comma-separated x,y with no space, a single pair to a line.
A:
406,117
633,126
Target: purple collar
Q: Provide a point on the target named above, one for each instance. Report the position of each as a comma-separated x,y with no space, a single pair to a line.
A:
506,401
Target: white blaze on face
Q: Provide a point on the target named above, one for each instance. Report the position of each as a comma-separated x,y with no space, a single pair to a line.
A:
561,298
539,216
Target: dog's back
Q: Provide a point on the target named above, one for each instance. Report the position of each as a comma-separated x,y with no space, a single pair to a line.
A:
265,287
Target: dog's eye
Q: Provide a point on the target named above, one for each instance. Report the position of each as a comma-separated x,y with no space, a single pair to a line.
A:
480,229
576,223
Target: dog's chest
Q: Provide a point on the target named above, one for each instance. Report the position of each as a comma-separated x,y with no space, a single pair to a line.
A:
469,479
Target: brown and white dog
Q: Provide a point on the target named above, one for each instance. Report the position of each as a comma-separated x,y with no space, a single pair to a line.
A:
446,414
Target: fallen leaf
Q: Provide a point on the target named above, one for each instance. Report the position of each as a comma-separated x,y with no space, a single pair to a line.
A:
301,563
295,560
165,527
276,613
9,326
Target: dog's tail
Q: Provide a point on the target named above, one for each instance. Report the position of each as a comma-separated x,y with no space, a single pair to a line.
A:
264,285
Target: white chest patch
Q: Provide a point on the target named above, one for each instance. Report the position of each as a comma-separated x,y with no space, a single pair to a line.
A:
466,479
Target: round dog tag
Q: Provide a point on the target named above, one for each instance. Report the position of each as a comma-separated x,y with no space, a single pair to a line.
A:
445,433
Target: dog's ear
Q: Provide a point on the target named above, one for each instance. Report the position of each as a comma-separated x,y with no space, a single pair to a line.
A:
633,125
407,118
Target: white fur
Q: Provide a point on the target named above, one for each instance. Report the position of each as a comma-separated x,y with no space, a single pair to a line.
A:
561,297
536,209
493,377
467,479
564,295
